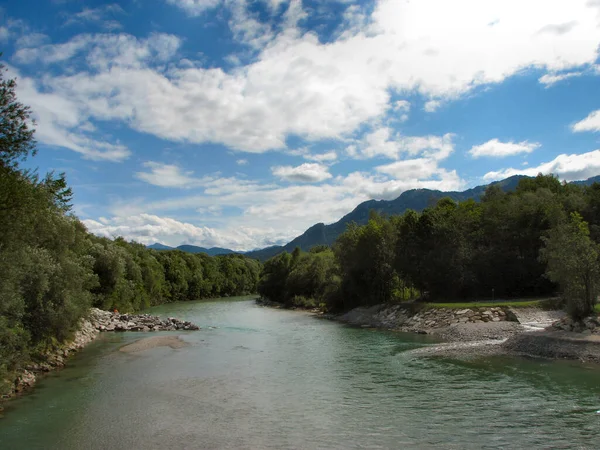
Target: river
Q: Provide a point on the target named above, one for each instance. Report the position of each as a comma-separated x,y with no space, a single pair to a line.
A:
268,378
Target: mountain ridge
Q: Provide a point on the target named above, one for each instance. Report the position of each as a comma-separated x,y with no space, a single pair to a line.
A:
416,199
213,251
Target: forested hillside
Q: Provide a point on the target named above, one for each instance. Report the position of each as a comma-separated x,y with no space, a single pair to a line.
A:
52,270
536,241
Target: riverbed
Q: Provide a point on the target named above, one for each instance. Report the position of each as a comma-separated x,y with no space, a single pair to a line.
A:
256,377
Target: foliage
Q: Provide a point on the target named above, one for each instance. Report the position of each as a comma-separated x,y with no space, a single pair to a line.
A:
53,270
16,133
510,245
572,259
301,279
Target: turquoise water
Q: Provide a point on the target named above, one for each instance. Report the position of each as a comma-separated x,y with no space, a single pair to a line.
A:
267,378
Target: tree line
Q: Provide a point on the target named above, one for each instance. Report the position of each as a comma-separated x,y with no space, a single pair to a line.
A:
52,270
539,240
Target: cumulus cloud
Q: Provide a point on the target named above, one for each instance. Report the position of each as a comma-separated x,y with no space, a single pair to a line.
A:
432,106
104,52
242,162
148,228
385,142
332,88
497,149
61,123
305,173
195,7
32,40
402,107
410,169
103,15
167,175
322,157
566,167
590,123
281,212
550,79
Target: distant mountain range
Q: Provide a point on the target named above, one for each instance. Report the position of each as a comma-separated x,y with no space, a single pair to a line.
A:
321,234
193,249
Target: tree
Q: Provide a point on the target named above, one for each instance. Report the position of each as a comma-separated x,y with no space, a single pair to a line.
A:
572,259
16,134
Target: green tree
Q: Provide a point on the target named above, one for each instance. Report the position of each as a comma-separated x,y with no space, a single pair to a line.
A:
16,134
572,263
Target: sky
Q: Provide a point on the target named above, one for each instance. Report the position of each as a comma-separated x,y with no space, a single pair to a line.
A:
241,123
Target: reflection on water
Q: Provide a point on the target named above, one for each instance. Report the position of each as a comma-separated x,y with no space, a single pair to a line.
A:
265,378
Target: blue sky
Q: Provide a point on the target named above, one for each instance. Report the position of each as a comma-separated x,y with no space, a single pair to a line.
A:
240,123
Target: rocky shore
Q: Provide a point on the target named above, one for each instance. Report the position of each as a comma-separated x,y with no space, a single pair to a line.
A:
418,318
475,332
97,322
113,321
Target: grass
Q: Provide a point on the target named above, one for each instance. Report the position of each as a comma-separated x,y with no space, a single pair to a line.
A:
598,308
512,304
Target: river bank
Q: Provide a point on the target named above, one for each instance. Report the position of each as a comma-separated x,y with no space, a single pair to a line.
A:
274,379
474,332
483,331
98,321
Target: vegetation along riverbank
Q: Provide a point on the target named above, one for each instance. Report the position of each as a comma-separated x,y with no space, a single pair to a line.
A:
54,270
540,241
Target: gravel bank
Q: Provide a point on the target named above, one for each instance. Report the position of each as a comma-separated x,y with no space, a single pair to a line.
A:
470,332
520,332
555,345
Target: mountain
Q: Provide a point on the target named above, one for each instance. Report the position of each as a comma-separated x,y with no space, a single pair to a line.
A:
157,246
193,249
588,182
417,199
321,234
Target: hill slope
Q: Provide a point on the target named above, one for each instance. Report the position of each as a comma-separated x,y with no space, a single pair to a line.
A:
417,199
193,249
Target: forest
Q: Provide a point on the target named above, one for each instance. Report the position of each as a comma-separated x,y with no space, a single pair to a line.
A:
540,240
53,270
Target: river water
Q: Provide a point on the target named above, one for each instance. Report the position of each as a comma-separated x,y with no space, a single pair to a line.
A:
267,378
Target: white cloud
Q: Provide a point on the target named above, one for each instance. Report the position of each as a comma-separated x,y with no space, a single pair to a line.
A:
4,34
242,162
195,7
167,175
148,228
566,167
385,142
31,40
402,106
281,212
106,51
410,169
305,173
495,148
103,15
60,123
550,79
432,106
590,123
322,157
332,88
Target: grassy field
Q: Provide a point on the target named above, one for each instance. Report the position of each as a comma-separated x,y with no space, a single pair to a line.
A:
512,304
541,303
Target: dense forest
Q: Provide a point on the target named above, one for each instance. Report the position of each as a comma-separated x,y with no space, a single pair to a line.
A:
52,270
536,241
